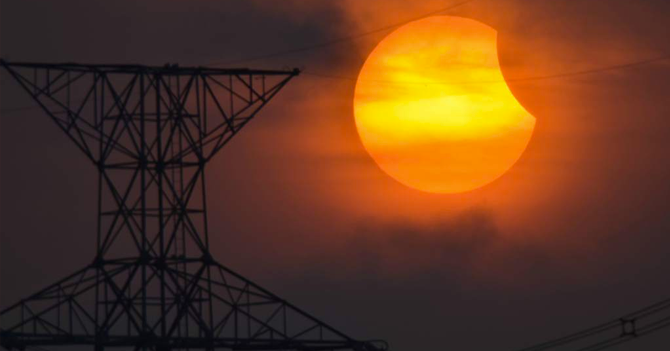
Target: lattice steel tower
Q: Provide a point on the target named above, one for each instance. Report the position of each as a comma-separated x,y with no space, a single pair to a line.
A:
153,284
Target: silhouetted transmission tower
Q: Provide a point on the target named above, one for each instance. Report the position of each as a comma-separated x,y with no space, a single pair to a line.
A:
153,284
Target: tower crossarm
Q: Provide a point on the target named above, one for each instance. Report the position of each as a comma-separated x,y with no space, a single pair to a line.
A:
130,109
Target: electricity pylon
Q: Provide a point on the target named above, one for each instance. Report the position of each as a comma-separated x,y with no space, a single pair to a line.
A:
153,284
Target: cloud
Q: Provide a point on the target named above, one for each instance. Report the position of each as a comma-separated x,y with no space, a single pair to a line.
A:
409,247
401,249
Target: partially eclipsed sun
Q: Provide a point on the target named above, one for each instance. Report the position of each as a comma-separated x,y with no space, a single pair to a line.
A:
433,109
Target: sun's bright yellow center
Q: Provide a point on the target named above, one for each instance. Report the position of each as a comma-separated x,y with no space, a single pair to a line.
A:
433,109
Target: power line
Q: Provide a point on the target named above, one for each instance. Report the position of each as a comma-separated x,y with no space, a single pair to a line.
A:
391,26
511,80
639,323
338,40
561,75
630,325
302,49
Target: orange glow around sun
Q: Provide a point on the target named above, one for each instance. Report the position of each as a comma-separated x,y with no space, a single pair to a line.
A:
433,109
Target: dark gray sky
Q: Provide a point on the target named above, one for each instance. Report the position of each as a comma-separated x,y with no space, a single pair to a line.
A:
574,234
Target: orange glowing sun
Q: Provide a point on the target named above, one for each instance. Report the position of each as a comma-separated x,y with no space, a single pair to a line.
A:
433,109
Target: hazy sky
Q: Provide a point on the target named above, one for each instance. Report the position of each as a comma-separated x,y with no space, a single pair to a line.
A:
575,234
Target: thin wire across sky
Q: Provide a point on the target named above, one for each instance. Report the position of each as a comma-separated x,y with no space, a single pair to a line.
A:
355,36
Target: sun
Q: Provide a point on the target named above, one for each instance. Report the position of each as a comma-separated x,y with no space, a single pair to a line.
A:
433,109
